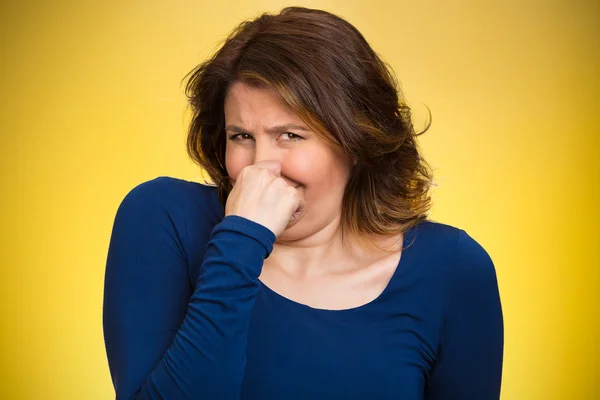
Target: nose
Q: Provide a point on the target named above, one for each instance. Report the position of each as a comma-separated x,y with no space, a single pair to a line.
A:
265,150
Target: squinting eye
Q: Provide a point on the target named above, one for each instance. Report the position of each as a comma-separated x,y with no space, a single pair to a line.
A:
238,137
293,136
235,137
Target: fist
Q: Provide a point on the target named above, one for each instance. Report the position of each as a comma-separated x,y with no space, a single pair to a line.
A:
261,195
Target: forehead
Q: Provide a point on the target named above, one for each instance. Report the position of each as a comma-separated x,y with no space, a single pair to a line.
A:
243,101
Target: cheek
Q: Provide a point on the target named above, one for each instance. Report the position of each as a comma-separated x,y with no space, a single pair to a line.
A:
235,160
317,168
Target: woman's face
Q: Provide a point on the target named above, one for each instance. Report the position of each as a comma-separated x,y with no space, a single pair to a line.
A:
320,170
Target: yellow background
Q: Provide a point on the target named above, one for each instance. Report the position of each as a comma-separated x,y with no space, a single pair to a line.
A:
92,104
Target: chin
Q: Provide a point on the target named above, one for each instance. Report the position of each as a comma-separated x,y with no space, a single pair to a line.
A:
291,231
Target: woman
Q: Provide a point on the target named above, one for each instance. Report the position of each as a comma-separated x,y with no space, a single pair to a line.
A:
310,271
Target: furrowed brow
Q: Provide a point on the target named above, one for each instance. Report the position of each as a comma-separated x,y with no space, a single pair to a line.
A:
271,130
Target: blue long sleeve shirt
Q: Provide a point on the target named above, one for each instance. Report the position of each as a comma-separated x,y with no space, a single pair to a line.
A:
186,317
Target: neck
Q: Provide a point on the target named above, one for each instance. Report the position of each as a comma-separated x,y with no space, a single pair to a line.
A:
324,252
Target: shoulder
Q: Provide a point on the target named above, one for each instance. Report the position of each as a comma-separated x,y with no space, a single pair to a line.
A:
451,241
465,273
169,212
172,195
469,274
171,204
462,260
166,189
433,239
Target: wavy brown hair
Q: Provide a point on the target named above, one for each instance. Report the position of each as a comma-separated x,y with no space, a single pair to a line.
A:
322,69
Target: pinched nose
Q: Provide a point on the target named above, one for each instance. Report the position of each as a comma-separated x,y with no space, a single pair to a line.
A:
288,181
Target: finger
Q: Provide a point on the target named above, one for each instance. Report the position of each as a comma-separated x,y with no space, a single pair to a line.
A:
272,165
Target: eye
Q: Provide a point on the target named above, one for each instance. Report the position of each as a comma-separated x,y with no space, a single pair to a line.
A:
292,136
239,137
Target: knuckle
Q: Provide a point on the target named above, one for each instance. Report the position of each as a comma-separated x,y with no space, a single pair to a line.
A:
282,183
244,171
265,172
292,192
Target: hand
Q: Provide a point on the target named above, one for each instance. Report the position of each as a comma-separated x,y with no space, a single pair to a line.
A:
261,195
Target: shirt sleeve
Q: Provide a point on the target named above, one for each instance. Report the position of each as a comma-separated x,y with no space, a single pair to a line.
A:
469,366
165,339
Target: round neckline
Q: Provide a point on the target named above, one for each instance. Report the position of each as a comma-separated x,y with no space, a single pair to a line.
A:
401,262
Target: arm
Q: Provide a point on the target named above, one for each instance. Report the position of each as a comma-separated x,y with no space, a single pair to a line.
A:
469,366
160,342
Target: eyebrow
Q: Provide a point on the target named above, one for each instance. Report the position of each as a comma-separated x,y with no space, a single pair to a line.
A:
271,130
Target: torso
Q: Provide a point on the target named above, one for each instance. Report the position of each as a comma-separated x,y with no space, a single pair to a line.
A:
366,332
362,282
